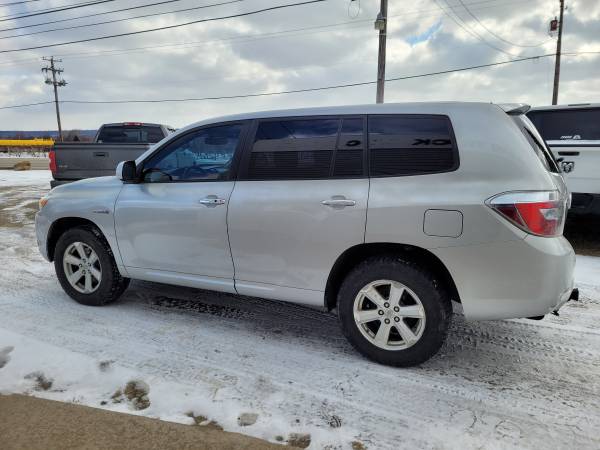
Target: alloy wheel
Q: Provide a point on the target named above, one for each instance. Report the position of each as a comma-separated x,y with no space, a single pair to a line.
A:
82,267
389,315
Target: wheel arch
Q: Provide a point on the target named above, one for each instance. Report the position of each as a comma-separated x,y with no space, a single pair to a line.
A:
355,255
60,226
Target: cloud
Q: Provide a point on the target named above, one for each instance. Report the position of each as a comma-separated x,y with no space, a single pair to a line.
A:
259,54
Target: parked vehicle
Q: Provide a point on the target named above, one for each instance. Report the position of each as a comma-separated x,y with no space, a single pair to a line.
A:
573,134
114,142
383,212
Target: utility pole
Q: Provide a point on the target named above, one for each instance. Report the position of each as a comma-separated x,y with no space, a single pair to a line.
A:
56,83
381,25
558,48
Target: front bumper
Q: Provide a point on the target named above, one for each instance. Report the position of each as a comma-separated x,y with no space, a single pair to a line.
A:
42,227
514,279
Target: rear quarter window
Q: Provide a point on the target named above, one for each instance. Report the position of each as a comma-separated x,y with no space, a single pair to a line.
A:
401,145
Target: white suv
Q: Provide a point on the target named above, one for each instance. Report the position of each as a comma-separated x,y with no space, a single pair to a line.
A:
573,134
385,213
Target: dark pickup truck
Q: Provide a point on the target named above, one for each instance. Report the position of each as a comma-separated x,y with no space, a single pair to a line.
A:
114,142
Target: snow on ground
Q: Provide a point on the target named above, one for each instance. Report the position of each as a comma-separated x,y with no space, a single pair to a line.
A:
9,178
501,384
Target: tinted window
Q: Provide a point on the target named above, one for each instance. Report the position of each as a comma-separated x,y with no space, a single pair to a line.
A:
408,145
152,134
206,154
293,149
125,134
352,126
577,124
349,155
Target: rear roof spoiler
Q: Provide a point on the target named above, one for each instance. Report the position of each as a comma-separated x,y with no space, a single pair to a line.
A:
515,109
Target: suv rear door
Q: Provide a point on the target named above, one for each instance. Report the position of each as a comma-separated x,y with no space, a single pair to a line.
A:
300,201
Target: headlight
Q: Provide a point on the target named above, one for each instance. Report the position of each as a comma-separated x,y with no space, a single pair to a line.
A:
42,202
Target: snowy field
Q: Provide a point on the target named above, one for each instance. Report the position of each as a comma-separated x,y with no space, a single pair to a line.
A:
503,384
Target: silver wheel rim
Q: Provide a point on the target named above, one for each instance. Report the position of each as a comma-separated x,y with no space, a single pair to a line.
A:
389,315
82,267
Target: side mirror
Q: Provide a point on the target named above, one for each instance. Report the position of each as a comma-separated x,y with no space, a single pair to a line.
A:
126,171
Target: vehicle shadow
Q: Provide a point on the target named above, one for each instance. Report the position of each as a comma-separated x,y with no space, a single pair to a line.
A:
486,352
583,234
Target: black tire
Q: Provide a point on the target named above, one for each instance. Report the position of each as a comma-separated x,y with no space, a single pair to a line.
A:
436,304
112,284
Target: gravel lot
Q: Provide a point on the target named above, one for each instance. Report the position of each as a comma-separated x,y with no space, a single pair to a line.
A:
502,384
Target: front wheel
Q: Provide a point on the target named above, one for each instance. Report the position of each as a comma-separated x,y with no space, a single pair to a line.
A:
393,312
86,268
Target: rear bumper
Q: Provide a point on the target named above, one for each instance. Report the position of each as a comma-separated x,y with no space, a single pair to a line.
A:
515,279
584,204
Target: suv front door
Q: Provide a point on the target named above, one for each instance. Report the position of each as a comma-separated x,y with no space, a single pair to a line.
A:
172,226
300,201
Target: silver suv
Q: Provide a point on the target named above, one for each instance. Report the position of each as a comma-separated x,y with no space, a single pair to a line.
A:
385,213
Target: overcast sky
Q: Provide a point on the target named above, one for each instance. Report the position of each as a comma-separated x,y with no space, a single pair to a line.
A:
243,56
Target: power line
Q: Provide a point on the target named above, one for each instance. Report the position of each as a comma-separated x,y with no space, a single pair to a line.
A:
168,27
125,19
119,51
41,12
18,3
25,105
191,44
418,12
457,20
147,5
322,88
496,35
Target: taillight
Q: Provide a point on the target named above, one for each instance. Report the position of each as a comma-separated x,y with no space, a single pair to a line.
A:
537,212
52,157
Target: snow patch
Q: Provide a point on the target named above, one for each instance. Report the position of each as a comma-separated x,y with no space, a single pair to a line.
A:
25,178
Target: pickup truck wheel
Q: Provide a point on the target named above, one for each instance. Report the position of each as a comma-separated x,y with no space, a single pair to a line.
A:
394,312
86,267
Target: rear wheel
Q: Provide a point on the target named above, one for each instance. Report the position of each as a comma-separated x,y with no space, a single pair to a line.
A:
393,312
86,268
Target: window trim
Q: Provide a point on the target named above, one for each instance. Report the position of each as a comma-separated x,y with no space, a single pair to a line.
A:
455,153
235,162
247,151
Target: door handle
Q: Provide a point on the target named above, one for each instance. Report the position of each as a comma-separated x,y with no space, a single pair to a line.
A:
211,201
338,202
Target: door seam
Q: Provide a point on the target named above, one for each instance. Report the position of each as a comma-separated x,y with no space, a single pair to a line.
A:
229,237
